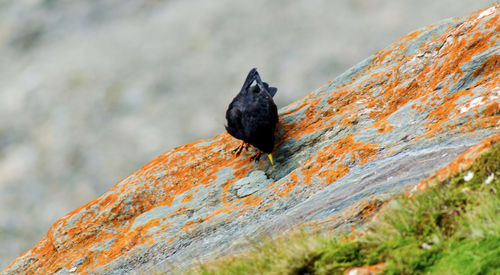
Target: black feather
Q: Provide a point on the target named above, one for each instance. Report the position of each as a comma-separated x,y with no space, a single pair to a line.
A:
252,115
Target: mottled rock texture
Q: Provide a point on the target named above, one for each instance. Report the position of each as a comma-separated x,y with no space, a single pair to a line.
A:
375,131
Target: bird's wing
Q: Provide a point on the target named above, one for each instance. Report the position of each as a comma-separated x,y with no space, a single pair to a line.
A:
234,118
250,78
261,85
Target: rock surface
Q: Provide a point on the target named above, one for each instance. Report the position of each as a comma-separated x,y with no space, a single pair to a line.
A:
376,130
70,111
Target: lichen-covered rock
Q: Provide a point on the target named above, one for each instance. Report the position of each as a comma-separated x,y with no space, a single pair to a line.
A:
376,130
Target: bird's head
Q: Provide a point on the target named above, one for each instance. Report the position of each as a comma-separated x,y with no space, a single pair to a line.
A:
266,146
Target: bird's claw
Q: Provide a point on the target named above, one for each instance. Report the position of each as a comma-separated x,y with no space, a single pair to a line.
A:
237,150
256,157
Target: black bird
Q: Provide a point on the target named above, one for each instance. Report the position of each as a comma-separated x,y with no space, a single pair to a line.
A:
252,116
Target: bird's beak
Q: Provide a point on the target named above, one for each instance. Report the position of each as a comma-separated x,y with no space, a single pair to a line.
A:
270,156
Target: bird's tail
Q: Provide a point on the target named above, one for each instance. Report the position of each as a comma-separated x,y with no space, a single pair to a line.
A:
263,86
271,90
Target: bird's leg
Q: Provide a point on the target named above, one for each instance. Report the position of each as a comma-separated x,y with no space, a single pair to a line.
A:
257,156
243,145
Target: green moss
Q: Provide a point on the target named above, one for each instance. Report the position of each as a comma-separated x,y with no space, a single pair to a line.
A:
453,228
470,257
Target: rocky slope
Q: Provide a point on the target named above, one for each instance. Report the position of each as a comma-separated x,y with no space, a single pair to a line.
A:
376,130
80,77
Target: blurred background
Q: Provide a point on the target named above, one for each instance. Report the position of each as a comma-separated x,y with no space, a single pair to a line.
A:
92,90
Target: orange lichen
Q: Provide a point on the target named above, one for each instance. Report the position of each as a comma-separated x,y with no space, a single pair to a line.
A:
491,110
135,237
367,270
370,208
332,175
490,67
385,127
192,224
251,201
287,186
335,153
187,173
187,198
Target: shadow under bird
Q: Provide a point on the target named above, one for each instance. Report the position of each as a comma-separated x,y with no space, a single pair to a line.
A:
252,116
